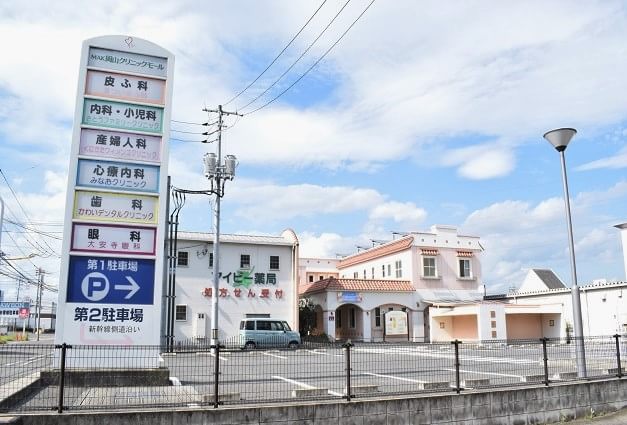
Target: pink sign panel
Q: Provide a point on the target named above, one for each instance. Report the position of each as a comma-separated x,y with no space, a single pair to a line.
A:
117,145
111,238
125,87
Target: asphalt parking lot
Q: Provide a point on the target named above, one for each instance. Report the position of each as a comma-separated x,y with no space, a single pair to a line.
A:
272,375
320,371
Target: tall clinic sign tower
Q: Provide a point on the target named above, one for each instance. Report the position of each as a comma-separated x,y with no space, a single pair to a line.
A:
112,259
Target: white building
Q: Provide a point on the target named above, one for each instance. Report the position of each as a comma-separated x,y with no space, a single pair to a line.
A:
313,269
415,273
258,279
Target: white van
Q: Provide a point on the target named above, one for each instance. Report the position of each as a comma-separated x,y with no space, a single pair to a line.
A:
264,332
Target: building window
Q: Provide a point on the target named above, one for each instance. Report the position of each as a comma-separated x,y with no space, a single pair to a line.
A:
364,273
372,272
320,277
310,278
551,322
494,334
404,309
464,268
428,267
492,314
493,324
356,275
181,312
210,259
352,318
377,317
399,268
383,270
244,261
274,262
442,325
389,270
182,258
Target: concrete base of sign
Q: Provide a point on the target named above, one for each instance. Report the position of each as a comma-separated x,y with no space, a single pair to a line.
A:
108,377
140,396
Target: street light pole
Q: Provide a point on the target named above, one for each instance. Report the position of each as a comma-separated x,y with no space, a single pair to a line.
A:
218,173
560,138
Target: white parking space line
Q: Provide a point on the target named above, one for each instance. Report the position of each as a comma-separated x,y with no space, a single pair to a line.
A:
322,353
507,375
420,353
398,378
275,355
29,360
209,353
303,385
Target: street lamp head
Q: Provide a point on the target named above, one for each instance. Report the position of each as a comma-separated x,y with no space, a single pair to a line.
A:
560,137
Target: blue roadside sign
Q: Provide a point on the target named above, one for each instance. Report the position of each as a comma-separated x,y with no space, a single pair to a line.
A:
111,280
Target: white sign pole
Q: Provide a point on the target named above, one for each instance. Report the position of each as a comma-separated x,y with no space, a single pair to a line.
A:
110,286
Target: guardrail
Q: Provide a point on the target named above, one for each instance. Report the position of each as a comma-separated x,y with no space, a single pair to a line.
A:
36,377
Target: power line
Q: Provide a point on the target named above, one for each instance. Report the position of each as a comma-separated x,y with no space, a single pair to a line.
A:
188,122
314,64
23,209
277,56
186,132
299,58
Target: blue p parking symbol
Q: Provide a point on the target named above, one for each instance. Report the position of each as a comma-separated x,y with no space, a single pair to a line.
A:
95,286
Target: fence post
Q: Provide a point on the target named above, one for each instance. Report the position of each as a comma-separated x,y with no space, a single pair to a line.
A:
546,361
458,386
347,346
63,348
618,362
216,376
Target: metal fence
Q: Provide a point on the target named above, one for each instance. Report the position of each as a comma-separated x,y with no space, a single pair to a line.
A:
36,377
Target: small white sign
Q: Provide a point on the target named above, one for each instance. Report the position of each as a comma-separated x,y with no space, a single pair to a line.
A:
118,175
125,87
127,61
113,239
115,207
396,323
117,145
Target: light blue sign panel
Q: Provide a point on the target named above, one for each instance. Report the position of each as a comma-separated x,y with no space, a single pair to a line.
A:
126,116
351,297
111,280
16,305
117,175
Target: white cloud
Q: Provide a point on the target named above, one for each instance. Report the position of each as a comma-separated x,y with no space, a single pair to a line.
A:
406,214
619,160
324,245
481,161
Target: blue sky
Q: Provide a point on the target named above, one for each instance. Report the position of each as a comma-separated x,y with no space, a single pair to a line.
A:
425,113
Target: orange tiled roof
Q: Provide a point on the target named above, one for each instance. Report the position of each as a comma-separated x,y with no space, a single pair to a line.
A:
358,285
379,251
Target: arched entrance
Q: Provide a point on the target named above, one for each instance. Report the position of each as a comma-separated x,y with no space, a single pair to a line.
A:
349,322
378,322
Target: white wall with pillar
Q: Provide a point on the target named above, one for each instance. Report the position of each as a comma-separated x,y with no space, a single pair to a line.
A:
329,323
367,324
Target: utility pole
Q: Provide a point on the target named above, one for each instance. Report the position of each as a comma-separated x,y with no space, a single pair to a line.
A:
218,172
40,287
